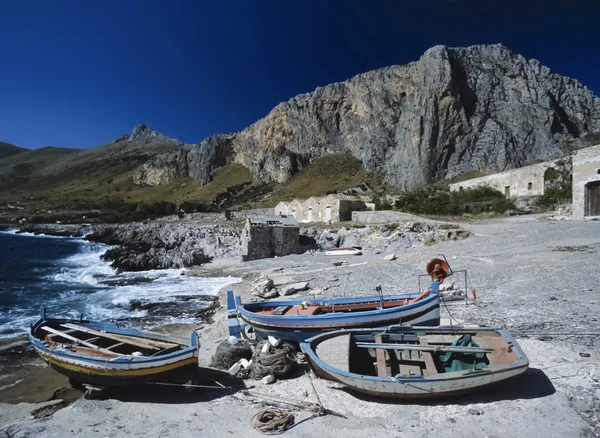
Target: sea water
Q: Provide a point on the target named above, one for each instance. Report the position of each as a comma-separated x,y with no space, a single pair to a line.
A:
67,275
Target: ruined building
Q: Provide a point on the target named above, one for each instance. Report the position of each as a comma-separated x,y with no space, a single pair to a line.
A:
269,236
328,209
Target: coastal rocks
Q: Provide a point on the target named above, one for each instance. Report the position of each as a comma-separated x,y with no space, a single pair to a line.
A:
390,237
479,108
264,288
295,287
451,292
145,246
199,307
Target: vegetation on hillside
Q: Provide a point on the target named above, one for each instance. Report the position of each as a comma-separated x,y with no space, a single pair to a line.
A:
436,200
329,174
8,150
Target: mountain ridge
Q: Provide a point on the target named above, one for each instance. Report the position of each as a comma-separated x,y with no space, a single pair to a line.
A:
479,108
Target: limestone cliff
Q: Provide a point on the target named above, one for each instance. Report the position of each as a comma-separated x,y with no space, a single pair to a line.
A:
456,109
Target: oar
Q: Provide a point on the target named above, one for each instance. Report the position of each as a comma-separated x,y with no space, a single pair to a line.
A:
425,348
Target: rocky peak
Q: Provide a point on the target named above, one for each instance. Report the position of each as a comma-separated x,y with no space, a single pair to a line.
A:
143,132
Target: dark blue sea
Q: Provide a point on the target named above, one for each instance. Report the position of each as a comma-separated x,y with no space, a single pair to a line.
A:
68,276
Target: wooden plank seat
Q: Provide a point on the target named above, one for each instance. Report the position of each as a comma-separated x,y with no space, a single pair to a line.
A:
76,340
390,337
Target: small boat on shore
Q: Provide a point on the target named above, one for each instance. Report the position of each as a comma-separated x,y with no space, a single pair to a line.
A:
355,250
416,362
287,320
103,354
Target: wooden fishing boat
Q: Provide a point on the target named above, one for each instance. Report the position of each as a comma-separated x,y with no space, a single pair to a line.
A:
287,320
355,250
417,362
103,354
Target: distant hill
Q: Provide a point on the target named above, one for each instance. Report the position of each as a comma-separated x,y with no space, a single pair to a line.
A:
7,150
29,162
62,180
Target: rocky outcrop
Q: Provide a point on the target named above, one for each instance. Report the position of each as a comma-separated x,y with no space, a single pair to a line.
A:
389,237
148,246
456,109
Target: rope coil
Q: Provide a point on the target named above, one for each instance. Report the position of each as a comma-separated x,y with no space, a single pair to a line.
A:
272,421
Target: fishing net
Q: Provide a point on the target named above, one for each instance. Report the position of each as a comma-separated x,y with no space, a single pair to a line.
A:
227,354
276,361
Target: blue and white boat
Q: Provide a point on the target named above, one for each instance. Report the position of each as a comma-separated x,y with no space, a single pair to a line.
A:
294,320
416,362
104,354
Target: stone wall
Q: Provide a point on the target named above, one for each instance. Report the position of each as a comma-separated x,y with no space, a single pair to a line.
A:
586,169
523,182
244,214
384,216
261,242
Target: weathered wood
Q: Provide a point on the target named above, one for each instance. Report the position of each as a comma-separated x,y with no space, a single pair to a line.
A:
380,354
424,348
112,347
76,340
430,363
138,342
51,335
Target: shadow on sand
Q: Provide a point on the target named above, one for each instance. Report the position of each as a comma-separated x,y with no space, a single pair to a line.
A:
193,386
532,384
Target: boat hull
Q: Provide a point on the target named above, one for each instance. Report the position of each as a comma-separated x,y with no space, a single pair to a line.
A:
120,371
293,328
408,387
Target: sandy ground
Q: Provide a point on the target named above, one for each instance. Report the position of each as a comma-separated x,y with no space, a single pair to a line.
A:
531,275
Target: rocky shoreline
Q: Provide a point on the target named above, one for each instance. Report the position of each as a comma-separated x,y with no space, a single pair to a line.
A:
142,246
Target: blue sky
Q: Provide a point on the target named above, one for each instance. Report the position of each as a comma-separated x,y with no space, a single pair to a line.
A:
81,73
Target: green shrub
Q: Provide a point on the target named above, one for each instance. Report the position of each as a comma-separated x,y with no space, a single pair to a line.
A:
435,200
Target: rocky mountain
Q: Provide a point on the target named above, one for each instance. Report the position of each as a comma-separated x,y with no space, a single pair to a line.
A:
456,109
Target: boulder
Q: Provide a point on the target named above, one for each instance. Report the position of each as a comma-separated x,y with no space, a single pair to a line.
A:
295,287
390,257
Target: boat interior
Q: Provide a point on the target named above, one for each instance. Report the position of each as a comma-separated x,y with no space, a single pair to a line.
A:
91,342
312,308
409,354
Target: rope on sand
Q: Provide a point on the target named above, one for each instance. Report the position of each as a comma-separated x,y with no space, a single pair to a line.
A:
272,421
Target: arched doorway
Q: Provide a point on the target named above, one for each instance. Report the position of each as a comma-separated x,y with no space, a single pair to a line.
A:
592,199
551,177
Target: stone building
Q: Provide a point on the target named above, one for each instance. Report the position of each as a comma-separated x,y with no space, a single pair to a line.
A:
270,236
517,183
586,182
330,208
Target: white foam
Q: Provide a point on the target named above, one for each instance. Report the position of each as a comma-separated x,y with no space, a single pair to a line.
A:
11,231
86,267
82,274
15,232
